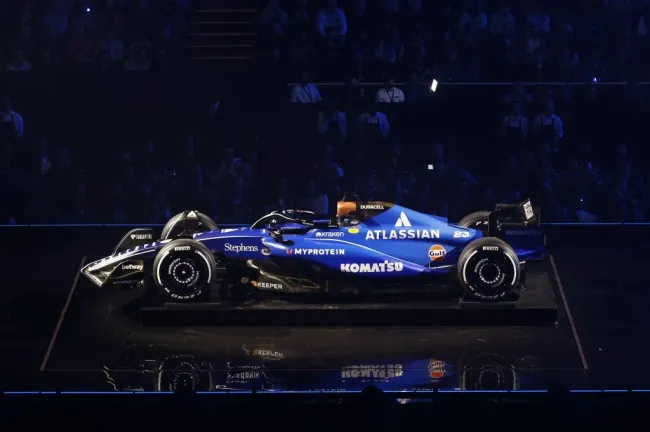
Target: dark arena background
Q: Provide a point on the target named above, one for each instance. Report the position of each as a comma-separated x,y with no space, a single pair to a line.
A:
119,115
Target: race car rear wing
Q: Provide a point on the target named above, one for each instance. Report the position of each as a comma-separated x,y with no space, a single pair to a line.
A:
513,216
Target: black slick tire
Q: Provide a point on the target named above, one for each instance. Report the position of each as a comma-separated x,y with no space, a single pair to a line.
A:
489,270
183,271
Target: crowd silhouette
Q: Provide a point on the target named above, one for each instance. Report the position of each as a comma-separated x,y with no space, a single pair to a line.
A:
125,147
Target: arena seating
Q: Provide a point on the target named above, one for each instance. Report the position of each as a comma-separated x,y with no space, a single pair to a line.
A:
99,143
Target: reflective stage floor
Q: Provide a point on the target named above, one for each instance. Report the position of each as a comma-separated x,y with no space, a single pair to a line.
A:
93,345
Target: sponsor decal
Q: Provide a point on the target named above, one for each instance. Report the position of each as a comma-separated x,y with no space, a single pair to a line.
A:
244,374
229,230
289,251
490,248
461,234
126,282
267,285
403,234
128,252
353,230
138,267
330,234
372,207
527,232
376,372
528,210
240,248
316,251
182,248
141,237
436,369
266,251
183,297
437,253
402,221
385,267
276,355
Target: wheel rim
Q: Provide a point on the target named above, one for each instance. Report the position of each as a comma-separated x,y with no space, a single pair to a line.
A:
489,273
181,375
183,275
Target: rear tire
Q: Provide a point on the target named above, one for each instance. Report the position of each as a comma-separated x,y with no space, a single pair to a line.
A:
477,220
183,271
488,269
187,223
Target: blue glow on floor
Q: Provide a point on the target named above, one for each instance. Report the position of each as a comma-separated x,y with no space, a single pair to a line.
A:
112,225
307,392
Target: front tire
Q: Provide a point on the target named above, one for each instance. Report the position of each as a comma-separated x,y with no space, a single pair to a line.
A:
183,271
488,269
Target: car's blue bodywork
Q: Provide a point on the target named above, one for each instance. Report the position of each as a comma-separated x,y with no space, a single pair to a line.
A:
394,242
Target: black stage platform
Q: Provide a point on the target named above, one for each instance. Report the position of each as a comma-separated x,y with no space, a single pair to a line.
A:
95,339
536,306
101,345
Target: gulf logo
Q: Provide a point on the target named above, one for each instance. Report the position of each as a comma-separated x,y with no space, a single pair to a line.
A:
437,252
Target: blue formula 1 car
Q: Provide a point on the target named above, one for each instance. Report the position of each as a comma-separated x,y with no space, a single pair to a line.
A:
367,246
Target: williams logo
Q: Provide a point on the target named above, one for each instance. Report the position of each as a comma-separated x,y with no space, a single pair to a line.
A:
385,267
402,221
240,248
137,267
141,237
376,372
437,252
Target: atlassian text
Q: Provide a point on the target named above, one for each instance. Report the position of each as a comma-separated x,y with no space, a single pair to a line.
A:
402,234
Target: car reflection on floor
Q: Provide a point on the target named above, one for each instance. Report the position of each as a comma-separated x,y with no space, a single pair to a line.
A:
268,369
